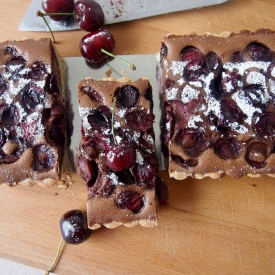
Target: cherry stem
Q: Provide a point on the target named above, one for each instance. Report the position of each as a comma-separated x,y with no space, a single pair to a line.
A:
51,268
113,116
114,70
41,14
132,66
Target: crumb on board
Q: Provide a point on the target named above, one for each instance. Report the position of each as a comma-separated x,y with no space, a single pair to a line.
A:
108,72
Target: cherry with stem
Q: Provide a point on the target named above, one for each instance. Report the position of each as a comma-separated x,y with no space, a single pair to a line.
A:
98,45
74,230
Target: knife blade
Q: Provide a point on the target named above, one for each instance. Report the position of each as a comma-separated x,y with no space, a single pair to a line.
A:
115,11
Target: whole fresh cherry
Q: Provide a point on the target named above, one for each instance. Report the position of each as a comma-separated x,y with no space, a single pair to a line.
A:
120,156
93,44
58,6
74,227
90,15
74,230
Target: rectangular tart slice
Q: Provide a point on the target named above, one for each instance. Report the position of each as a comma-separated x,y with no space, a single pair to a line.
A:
32,112
118,159
218,104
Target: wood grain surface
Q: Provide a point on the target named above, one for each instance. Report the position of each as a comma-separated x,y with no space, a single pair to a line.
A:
209,226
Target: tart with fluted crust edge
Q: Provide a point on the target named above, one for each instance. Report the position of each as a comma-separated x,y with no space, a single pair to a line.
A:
32,112
218,96
118,159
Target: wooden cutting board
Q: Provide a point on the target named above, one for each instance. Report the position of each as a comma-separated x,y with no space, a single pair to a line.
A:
209,226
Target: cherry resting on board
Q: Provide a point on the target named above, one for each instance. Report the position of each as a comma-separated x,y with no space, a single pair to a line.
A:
73,227
98,45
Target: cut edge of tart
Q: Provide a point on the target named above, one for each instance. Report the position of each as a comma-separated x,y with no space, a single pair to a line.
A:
33,113
218,104
123,191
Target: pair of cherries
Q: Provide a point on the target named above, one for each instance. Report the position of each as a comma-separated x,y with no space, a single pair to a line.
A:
98,44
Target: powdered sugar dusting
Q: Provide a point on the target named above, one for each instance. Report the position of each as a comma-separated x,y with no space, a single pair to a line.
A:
17,81
193,120
189,93
178,67
251,73
172,94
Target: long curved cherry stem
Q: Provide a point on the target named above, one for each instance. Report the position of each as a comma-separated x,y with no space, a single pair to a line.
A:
51,268
132,66
38,14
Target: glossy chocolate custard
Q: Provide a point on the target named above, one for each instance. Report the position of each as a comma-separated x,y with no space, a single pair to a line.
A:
218,104
118,159
32,113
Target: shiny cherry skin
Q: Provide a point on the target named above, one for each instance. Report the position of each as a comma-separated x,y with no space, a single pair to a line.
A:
58,6
90,15
74,227
120,156
92,43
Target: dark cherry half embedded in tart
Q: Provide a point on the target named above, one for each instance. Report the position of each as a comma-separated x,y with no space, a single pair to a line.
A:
218,104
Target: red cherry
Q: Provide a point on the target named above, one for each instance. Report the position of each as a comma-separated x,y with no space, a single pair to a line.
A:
90,15
92,43
74,227
120,156
58,6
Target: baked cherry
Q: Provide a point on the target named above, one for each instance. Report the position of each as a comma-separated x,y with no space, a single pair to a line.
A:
10,115
4,85
100,118
31,97
256,94
125,177
89,15
58,6
44,158
228,148
185,163
56,132
87,171
130,200
139,120
144,172
194,60
162,191
38,71
193,141
91,146
74,227
213,63
265,127
229,81
231,112
16,64
259,52
92,94
127,96
3,137
257,154
120,156
237,57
